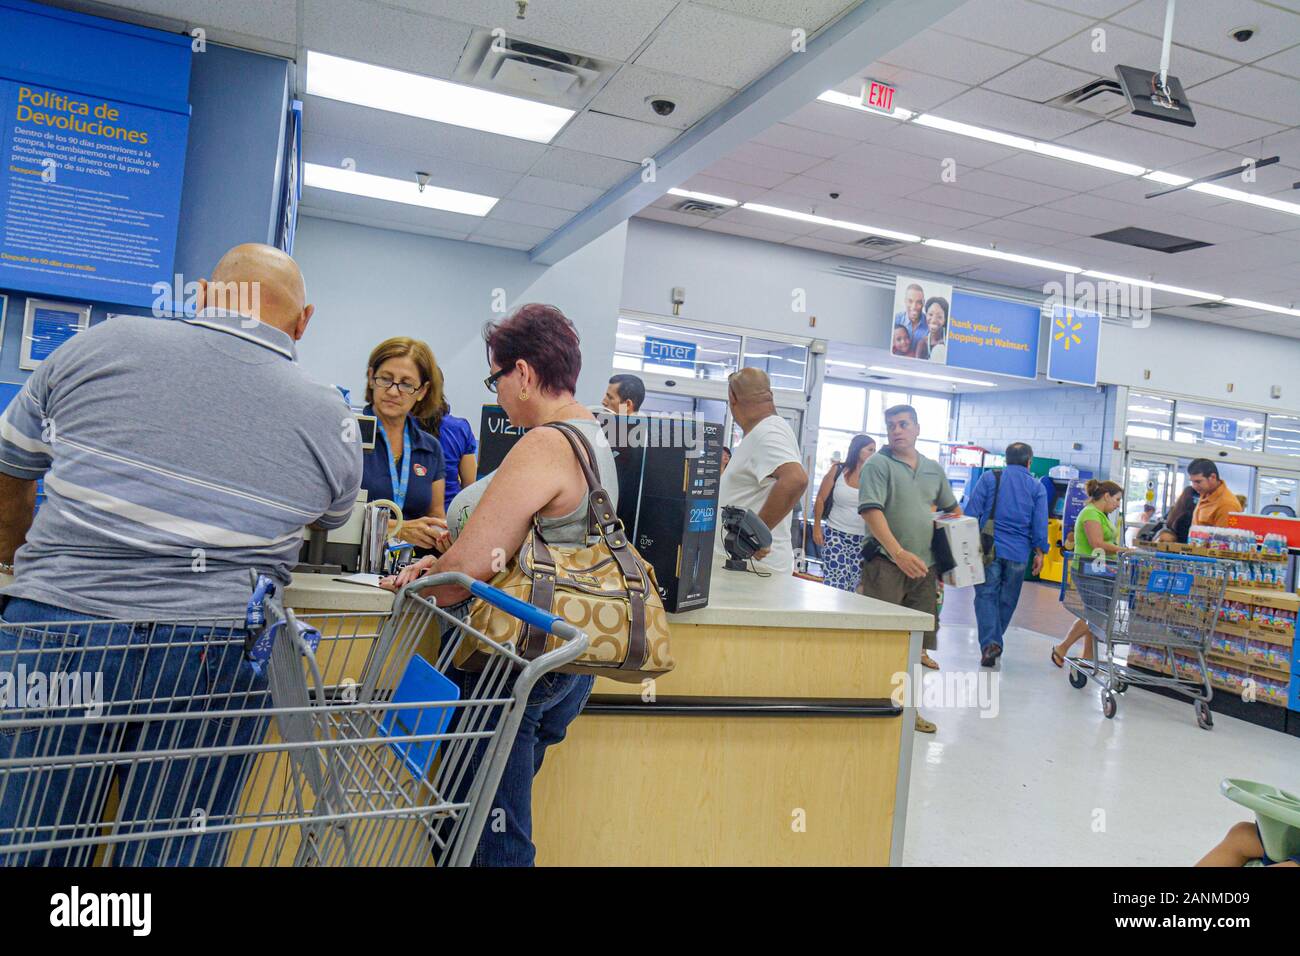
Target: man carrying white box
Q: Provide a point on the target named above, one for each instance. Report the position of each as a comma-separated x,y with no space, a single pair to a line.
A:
898,492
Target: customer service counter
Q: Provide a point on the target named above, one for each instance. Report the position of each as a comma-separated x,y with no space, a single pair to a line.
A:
775,740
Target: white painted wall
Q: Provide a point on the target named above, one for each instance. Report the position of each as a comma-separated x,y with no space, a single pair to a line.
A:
369,284
750,284
1052,420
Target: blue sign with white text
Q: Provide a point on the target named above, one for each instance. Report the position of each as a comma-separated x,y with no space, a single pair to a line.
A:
669,352
991,335
93,130
1072,339
1220,429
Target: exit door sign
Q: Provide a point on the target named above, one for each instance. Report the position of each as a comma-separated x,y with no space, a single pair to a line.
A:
878,96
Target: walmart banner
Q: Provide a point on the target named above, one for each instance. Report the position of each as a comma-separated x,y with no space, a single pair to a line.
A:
990,335
1073,337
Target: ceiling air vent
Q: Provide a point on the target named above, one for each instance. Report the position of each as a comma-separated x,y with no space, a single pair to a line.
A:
879,243
700,208
519,68
1102,98
1149,239
1210,305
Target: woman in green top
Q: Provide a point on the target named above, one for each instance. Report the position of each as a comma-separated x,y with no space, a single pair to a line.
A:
1093,532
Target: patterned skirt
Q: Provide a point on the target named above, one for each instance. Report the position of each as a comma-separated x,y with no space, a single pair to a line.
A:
842,559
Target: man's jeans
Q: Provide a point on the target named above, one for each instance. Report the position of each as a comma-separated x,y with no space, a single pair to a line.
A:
995,599
556,699
154,794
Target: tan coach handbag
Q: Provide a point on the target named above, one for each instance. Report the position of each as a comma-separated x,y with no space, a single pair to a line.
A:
605,589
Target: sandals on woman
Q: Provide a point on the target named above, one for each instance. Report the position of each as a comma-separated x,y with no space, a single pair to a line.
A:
1057,659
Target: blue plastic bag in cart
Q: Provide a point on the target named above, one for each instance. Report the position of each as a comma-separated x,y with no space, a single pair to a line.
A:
421,683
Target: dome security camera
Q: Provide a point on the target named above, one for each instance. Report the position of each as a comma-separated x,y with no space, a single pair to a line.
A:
662,105
835,195
1242,34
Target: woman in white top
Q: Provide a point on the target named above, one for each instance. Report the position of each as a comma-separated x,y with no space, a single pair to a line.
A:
934,347
838,529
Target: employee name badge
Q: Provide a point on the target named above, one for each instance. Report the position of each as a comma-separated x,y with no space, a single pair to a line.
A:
420,470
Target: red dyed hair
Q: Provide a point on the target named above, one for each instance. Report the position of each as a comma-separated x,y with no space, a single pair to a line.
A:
543,337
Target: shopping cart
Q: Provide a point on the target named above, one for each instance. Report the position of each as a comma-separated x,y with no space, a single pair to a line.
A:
1166,602
264,741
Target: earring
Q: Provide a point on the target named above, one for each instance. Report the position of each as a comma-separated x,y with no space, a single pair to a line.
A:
523,394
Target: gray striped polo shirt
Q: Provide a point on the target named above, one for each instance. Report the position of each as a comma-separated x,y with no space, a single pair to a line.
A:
176,455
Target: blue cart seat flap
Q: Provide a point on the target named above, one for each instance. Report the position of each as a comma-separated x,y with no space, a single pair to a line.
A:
421,684
513,606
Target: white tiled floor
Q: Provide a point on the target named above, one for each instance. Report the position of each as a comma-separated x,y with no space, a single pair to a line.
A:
1050,781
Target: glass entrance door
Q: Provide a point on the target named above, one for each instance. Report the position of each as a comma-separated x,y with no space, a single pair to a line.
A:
1148,481
1278,494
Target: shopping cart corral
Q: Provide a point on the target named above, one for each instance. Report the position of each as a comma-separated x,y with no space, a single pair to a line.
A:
263,741
1167,602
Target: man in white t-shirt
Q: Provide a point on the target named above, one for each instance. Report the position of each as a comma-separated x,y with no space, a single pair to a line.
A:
765,474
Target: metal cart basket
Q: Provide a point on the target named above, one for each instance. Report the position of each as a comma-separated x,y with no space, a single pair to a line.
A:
1165,602
349,740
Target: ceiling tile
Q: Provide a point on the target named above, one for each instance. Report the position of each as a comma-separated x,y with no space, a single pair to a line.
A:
502,243
548,192
767,157
842,121
1012,115
900,213
626,93
346,121
834,248
270,19
1205,26
1055,172
587,26
811,15
398,39
1288,62
729,169
1252,92
669,215
731,189
953,58
582,169
938,145
1214,127
511,231
1020,232
715,46
1014,24
529,214
806,141
1145,147
954,196
1039,80
764,220
1049,217
389,211
383,160
379,222
1134,49
1092,8
749,231
614,136
855,184
1022,190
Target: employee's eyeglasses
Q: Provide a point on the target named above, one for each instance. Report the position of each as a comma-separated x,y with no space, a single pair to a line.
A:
490,383
384,383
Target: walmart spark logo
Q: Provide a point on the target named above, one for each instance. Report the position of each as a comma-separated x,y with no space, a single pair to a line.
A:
1068,329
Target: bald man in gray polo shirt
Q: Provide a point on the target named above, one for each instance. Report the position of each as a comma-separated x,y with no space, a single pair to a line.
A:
178,456
899,491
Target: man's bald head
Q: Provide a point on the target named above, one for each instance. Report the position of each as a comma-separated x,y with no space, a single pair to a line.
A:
261,282
749,392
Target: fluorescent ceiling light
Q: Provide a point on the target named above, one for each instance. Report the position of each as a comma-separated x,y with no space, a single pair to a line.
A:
1264,306
1088,159
1154,285
836,98
845,364
380,88
341,180
1168,179
826,221
703,197
975,132
942,378
997,254
1267,202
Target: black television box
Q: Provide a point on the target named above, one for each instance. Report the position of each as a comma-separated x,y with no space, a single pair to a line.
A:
668,470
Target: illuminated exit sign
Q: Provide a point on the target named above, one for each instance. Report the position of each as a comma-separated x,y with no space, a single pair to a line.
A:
878,96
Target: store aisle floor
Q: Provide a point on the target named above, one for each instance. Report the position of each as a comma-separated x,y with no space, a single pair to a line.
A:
1049,781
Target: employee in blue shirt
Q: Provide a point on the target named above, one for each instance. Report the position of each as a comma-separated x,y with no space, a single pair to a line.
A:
459,448
1019,537
403,384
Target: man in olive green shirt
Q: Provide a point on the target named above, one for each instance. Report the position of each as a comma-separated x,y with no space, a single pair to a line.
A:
898,492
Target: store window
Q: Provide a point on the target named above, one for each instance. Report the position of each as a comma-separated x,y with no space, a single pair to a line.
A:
1283,435
848,410
1149,416
786,364
1198,424
647,346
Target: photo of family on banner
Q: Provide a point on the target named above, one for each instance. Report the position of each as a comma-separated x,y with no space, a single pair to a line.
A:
920,329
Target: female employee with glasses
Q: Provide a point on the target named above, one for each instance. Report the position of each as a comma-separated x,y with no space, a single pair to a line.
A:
406,466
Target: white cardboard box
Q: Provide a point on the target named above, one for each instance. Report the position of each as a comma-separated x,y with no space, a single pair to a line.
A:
963,534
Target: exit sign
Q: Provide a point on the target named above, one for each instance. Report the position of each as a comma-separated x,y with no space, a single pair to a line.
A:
878,96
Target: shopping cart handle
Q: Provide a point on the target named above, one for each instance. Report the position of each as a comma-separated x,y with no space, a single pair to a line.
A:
512,605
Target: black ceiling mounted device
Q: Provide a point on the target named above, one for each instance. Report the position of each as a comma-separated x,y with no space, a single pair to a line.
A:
1157,95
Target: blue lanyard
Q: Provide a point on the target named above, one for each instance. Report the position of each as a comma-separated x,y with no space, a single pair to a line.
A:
399,489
